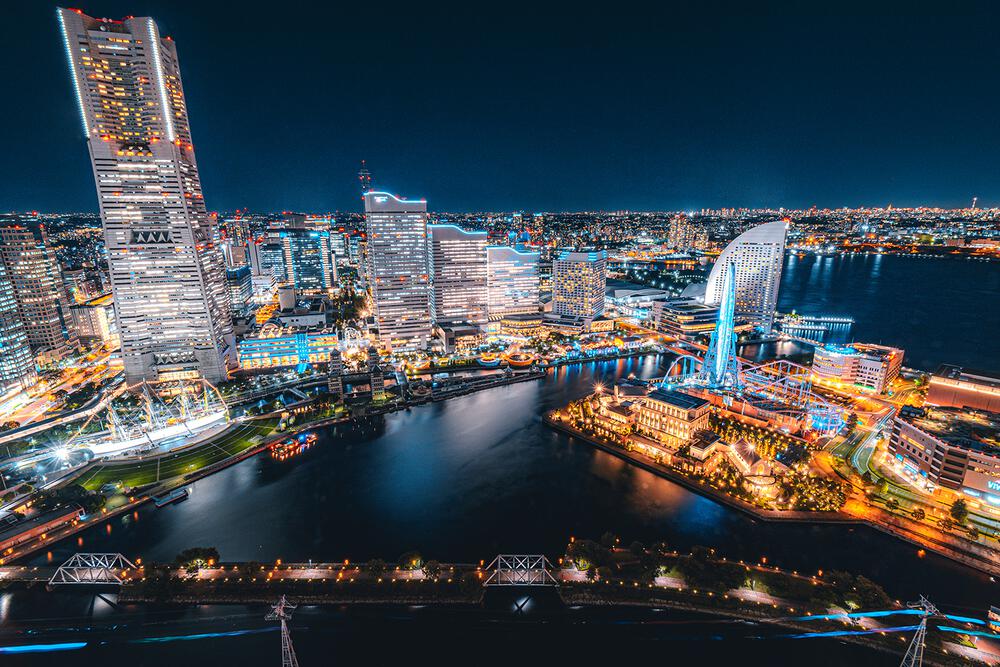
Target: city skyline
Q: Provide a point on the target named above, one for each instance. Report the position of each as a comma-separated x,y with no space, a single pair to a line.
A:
652,113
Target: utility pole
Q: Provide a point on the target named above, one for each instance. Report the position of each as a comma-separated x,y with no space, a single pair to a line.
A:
282,612
915,653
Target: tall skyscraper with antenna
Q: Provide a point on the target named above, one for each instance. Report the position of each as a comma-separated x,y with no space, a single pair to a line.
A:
167,274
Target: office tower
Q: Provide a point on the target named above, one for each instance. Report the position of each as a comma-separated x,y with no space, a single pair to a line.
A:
578,283
17,366
397,270
239,282
512,281
458,275
95,321
308,259
338,245
42,300
684,234
167,273
757,256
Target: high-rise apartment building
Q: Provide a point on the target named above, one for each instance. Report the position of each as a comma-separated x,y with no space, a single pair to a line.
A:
458,275
167,273
757,256
17,366
579,281
396,259
512,281
42,300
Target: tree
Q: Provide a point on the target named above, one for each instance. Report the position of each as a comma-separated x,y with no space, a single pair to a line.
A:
411,560
637,548
432,569
960,511
196,557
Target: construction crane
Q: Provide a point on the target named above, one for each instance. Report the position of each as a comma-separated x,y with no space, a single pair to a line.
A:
283,612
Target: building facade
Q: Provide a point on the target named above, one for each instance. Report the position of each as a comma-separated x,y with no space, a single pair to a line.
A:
308,260
955,448
672,417
512,282
167,273
681,318
579,283
685,234
457,263
42,300
17,365
757,255
95,321
397,270
869,367
287,348
239,281
954,386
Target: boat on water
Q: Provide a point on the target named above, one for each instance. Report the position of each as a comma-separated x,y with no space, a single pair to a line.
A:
489,360
174,496
521,360
289,447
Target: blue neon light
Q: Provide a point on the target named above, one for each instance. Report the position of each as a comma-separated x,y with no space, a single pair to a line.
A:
204,635
42,648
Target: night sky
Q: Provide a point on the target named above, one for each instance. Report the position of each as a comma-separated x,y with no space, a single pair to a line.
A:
498,106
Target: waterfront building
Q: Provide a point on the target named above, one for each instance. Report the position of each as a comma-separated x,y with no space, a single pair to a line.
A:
42,301
284,347
397,270
525,325
683,318
757,256
457,262
956,448
512,281
167,273
460,337
95,321
240,283
671,417
579,283
308,259
17,366
868,367
954,386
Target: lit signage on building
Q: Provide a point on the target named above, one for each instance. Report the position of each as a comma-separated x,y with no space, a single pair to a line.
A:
151,236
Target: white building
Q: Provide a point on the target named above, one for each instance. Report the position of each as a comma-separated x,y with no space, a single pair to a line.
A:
458,275
397,270
579,283
758,255
167,273
511,281
871,367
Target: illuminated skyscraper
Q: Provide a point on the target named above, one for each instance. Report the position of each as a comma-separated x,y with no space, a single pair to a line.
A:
166,272
42,301
308,259
458,275
578,284
397,269
17,367
757,256
511,281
